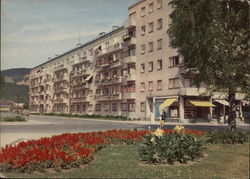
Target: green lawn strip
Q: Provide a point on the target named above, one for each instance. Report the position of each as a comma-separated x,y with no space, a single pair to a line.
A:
222,161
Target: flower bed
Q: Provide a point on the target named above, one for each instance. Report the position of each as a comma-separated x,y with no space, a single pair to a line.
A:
66,150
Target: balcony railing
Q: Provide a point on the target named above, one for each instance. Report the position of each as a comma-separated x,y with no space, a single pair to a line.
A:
111,49
116,96
79,99
130,24
109,81
130,59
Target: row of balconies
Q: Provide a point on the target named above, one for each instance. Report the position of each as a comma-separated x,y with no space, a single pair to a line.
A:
116,96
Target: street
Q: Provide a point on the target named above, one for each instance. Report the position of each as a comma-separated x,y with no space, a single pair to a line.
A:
46,126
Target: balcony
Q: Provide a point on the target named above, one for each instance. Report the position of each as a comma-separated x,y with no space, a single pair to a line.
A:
129,77
131,23
129,95
79,99
59,79
129,40
112,49
61,100
108,64
117,96
82,72
109,81
60,90
130,59
81,86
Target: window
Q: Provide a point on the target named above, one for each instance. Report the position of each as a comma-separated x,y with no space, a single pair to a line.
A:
150,27
107,45
159,84
131,106
159,64
131,52
173,83
150,46
150,66
142,86
142,48
159,44
150,85
142,67
91,51
124,106
142,106
171,38
98,107
143,30
150,8
174,61
159,24
114,106
143,10
159,4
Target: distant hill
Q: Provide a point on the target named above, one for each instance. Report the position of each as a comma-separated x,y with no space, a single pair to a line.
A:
16,84
17,75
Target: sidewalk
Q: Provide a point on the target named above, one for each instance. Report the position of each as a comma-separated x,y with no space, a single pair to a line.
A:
142,122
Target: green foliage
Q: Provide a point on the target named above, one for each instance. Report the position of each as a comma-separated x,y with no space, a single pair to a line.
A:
13,119
171,147
226,137
213,37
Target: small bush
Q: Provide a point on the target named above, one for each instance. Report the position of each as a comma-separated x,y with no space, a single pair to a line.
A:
226,137
13,119
171,147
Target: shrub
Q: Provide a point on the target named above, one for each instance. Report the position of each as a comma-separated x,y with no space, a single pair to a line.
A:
226,137
13,118
171,147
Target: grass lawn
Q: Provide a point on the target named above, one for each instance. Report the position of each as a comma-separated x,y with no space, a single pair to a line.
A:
222,161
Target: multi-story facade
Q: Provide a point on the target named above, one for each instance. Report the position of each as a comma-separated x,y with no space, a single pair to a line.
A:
131,71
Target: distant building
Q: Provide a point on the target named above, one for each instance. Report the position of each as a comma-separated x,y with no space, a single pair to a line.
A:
6,106
131,71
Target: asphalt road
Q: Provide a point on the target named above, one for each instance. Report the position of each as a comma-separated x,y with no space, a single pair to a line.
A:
64,125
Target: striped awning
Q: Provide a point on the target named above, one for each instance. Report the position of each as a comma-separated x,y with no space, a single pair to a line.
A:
167,103
222,101
201,103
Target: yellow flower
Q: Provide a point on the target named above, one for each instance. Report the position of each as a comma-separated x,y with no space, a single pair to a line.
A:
152,140
179,128
158,132
162,123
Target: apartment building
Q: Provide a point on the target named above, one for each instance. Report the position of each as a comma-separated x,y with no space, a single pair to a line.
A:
131,71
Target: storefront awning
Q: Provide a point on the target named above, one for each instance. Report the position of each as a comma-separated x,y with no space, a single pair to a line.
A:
167,103
201,103
222,101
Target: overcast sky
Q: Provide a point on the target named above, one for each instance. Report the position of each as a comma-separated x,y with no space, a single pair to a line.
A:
34,30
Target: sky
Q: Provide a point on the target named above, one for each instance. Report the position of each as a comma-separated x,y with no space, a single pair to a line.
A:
34,30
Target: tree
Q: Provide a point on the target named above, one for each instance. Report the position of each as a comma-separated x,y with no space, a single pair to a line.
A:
213,37
2,84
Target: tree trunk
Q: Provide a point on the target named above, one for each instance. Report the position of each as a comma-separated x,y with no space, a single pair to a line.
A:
232,110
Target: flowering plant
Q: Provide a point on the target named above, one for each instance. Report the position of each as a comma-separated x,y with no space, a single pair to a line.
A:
179,129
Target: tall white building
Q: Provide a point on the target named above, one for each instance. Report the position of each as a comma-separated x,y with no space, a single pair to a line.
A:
129,71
